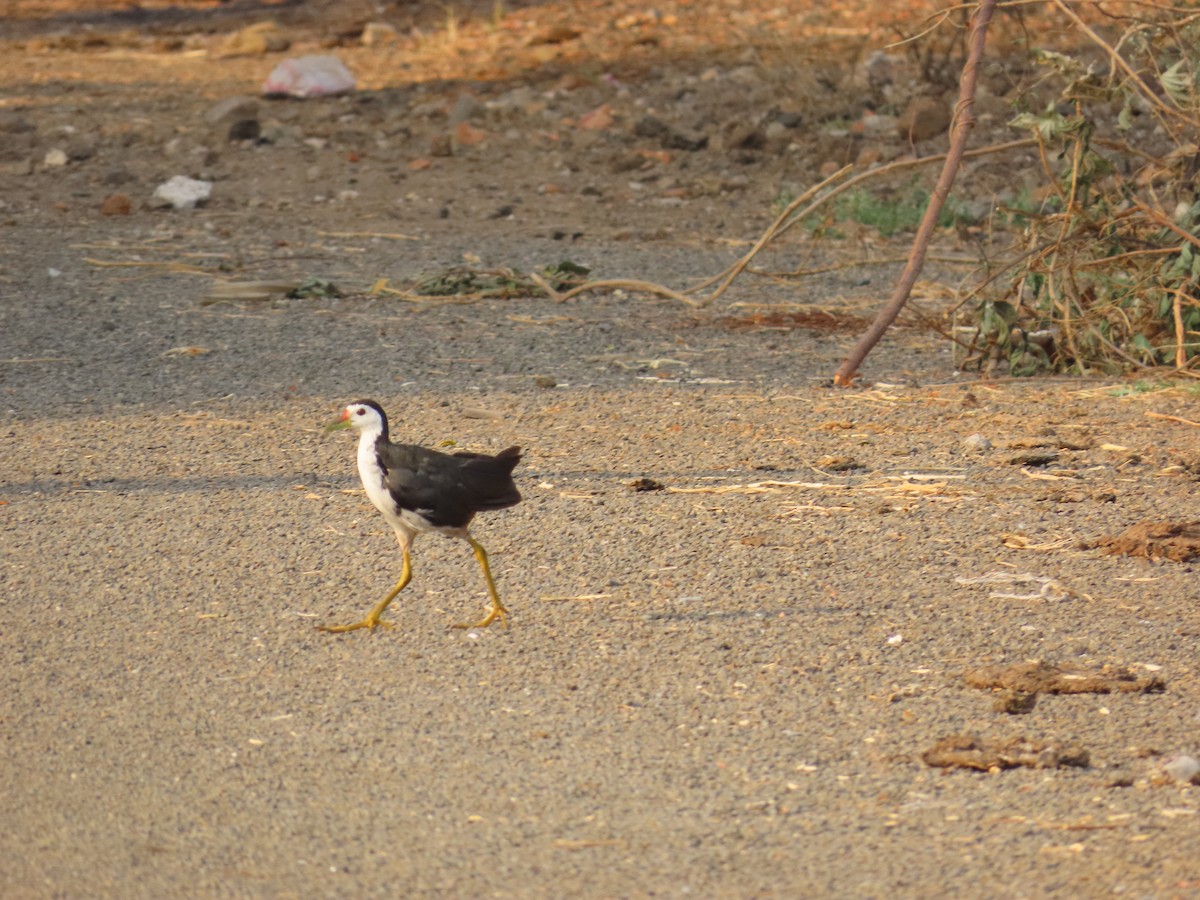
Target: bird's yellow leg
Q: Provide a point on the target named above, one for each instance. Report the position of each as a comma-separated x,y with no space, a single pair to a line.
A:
497,611
372,621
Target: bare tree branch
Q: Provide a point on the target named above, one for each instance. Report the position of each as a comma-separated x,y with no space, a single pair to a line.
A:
964,122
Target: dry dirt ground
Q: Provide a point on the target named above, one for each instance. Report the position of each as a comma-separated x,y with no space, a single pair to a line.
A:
726,687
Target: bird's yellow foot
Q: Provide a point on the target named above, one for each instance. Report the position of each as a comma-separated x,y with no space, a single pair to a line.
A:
496,612
368,623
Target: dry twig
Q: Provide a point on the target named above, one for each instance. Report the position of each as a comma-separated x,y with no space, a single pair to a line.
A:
964,123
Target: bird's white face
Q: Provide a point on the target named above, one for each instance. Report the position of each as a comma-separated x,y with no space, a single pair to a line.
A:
358,416
361,417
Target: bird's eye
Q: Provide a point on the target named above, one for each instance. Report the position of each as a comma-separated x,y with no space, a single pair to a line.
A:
360,412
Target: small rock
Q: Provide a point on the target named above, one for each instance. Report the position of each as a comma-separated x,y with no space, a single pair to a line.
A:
868,156
16,167
839,464
555,34
744,136
1035,458
651,127
640,485
520,98
977,443
1015,703
545,381
309,76
441,145
875,125
116,205
377,34
182,192
678,141
255,40
12,122
279,135
245,130
430,109
232,108
466,107
597,119
467,135
924,118
55,158
775,130
745,76
879,71
671,139
119,176
1183,768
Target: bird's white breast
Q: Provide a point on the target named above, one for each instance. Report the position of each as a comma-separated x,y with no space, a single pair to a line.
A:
372,476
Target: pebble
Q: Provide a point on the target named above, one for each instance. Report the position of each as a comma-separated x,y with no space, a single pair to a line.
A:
245,130
977,443
377,34
181,192
554,34
651,127
1183,768
775,130
12,122
309,76
922,119
879,72
16,167
875,125
232,108
743,136
516,100
116,205
745,76
429,109
868,156
466,107
1015,703
466,135
55,158
119,176
255,40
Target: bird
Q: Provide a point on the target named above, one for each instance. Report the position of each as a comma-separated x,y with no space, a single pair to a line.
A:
422,491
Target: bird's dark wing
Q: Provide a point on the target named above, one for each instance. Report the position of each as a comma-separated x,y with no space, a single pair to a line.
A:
448,489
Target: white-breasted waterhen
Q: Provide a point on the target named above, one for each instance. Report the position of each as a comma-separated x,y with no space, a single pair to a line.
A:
420,491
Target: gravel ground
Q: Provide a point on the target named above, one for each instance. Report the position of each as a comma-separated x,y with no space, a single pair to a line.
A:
722,688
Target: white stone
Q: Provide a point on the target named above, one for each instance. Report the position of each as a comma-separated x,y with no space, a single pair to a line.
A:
1183,768
182,192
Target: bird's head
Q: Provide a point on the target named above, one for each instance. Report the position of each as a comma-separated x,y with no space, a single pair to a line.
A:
362,415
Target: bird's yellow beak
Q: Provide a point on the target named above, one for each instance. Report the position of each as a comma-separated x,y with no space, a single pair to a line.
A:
343,422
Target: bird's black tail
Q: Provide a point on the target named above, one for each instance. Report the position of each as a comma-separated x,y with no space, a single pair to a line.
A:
492,481
509,457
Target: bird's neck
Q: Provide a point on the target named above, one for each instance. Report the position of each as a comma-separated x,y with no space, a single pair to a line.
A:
368,460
